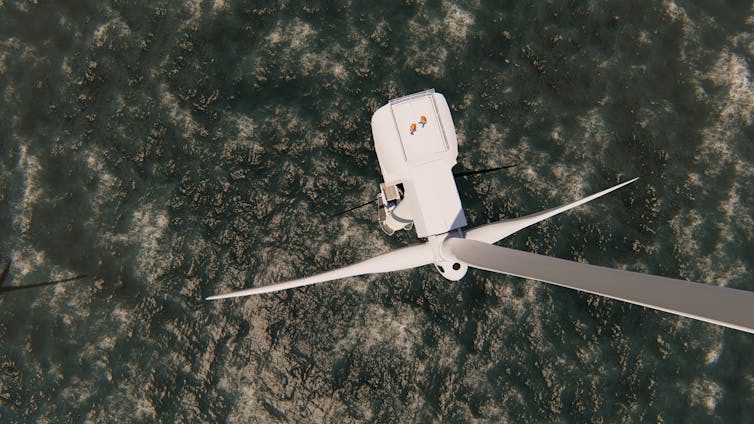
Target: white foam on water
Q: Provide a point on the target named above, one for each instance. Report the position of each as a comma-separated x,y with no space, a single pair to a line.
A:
713,354
571,175
433,36
195,8
78,391
596,136
257,383
714,268
145,410
276,265
14,50
489,142
571,184
562,179
30,169
733,109
178,115
25,258
736,107
737,215
286,120
294,35
678,14
368,240
107,183
457,22
220,5
245,141
426,60
103,34
123,318
254,385
567,183
146,231
385,328
705,393
325,63
245,126
644,38
178,356
3,62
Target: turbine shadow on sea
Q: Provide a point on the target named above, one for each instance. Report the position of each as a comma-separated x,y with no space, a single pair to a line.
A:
4,275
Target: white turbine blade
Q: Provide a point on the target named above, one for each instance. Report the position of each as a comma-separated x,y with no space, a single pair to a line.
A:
492,233
718,305
396,260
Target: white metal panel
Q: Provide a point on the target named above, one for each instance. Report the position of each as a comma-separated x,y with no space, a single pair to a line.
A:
434,188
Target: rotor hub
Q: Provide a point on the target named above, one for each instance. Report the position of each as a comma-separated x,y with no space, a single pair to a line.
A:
445,261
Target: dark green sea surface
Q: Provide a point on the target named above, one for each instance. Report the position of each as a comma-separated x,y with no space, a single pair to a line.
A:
177,150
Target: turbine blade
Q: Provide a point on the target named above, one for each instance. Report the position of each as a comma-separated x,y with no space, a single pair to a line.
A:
718,305
396,260
492,233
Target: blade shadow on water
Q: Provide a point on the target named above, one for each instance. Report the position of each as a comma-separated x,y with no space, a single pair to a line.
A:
482,171
4,275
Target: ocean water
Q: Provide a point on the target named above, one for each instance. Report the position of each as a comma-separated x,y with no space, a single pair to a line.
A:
174,150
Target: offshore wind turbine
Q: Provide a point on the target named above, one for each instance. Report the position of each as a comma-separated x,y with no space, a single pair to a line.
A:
416,146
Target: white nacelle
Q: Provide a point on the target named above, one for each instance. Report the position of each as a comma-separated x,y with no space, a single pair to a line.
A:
417,147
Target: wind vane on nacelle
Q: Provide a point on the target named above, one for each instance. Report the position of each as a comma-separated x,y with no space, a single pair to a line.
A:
416,146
